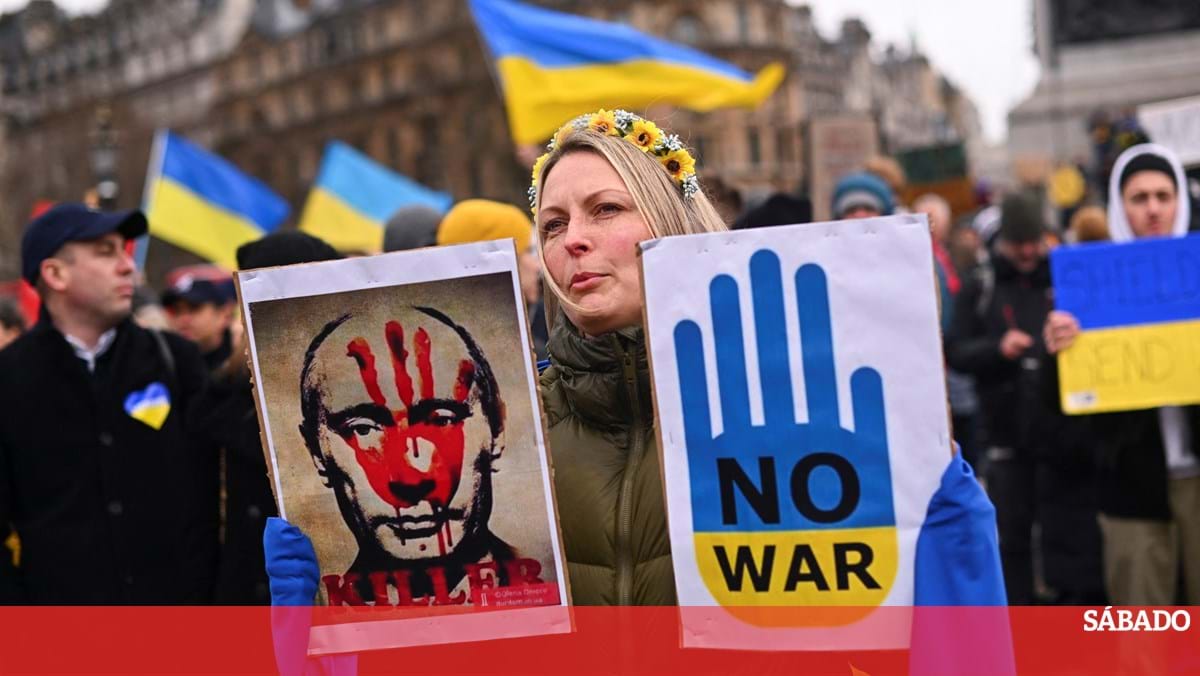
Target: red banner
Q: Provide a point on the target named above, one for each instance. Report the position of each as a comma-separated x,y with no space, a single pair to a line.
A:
606,640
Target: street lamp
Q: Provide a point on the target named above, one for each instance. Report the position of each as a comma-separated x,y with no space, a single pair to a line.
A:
104,158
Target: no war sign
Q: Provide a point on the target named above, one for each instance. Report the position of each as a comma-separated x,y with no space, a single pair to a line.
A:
800,393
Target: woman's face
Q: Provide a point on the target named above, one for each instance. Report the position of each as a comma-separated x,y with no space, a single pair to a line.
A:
590,229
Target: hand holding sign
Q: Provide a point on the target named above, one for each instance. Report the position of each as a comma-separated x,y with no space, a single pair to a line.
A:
833,543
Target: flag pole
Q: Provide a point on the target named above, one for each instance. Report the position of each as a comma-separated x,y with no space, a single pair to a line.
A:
525,154
153,173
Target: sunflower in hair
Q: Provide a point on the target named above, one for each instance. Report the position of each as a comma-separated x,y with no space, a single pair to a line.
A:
537,166
605,122
561,135
644,134
679,164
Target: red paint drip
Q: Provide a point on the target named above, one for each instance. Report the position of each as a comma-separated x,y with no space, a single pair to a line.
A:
361,351
466,376
394,334
424,367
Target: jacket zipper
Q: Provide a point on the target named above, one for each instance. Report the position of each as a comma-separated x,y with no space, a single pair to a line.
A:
625,501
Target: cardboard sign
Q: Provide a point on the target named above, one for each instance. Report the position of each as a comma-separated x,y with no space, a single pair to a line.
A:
402,426
838,145
802,412
1138,306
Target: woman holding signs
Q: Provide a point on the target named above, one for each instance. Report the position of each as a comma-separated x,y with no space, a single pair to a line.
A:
609,181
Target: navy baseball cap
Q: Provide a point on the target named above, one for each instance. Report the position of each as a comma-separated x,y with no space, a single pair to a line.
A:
69,222
199,284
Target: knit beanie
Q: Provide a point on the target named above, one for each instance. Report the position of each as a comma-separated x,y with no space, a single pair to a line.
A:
1146,162
411,227
1021,219
483,220
862,189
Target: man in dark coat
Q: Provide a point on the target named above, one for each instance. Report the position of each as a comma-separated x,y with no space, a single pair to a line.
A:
98,475
995,336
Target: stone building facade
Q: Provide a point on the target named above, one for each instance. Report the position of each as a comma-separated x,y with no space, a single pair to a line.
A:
1102,56
267,83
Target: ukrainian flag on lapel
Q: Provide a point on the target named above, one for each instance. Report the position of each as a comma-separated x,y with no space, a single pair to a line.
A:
150,405
201,202
554,66
354,197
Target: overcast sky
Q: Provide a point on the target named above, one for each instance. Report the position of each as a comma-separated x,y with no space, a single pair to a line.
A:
983,47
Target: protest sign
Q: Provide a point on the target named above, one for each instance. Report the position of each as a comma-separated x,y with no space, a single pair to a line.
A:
1138,306
802,412
838,145
402,427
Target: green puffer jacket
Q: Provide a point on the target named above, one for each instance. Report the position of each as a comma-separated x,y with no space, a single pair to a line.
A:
606,468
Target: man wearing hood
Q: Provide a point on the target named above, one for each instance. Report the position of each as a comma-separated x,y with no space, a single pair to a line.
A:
1149,459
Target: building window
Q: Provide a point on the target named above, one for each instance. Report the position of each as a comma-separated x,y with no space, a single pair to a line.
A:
701,146
329,44
784,141
429,164
394,147
688,29
753,146
743,22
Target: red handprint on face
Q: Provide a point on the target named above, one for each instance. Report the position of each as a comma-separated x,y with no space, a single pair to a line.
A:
414,453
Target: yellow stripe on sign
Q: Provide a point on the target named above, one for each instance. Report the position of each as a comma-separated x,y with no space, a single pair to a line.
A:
540,99
345,229
178,216
850,567
1132,367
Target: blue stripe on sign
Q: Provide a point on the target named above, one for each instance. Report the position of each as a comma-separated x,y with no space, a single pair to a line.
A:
1143,282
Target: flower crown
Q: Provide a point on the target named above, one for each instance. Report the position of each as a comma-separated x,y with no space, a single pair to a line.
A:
643,133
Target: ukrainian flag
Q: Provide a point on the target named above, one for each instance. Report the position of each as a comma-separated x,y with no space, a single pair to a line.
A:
203,203
354,196
554,66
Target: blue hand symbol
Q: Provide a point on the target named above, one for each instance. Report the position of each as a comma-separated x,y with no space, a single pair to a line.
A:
781,475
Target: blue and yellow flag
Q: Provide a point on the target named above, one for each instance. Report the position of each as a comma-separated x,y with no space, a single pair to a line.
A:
201,202
554,66
1138,307
354,196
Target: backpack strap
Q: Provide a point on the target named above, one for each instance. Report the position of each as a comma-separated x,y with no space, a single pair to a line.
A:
164,351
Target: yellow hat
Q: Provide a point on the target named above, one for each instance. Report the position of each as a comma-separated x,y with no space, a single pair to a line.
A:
483,220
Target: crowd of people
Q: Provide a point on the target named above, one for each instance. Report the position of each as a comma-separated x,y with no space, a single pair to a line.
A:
131,463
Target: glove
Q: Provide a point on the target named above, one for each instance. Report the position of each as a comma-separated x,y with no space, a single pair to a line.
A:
291,564
293,573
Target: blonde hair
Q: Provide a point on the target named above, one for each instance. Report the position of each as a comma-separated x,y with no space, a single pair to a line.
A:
1089,224
658,197
890,171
